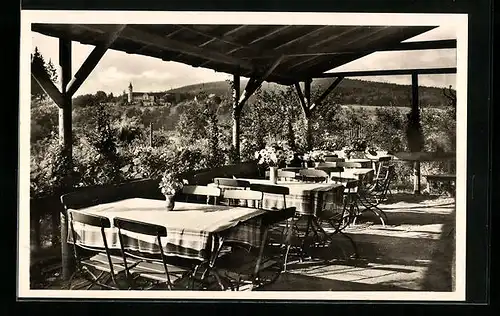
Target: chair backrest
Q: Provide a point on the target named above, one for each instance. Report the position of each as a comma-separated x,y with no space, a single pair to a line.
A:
313,174
282,174
271,189
238,194
91,220
201,190
140,227
228,182
334,159
349,164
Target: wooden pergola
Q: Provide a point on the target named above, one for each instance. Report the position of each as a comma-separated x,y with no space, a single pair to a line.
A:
283,54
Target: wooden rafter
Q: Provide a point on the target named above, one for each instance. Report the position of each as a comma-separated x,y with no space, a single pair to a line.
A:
346,44
328,90
267,35
145,38
47,85
283,46
92,60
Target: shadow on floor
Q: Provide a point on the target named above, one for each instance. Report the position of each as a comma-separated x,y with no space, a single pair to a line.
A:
300,282
413,217
411,198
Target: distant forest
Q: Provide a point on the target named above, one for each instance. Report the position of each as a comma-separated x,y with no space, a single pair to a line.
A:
349,91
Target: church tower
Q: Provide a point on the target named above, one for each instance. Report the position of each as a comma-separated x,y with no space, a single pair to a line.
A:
130,88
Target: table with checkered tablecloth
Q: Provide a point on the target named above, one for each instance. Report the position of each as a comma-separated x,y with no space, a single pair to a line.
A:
307,198
190,226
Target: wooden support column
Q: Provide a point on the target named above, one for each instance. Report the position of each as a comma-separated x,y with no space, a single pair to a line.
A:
414,110
236,115
305,101
307,95
65,139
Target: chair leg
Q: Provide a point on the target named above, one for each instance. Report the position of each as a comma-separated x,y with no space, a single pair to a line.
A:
353,244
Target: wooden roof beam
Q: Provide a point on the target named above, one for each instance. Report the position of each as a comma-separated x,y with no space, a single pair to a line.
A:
93,59
47,85
136,35
391,72
405,46
254,83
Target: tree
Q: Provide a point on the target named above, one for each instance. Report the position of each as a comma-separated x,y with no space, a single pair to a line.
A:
100,96
38,61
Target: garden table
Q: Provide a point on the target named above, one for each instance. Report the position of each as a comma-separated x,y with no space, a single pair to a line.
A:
192,229
307,198
311,200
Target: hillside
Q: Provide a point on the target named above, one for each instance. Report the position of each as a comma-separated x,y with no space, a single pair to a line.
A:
349,91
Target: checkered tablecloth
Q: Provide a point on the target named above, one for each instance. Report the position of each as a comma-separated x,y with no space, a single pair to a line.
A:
190,226
307,198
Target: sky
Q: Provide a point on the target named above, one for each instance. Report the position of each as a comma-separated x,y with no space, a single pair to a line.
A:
116,69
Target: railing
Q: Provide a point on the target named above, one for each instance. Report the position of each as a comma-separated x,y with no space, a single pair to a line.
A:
45,223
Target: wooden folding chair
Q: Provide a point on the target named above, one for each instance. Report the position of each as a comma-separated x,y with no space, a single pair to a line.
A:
156,270
372,197
100,259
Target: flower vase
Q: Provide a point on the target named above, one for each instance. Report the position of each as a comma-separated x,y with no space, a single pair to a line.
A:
169,202
273,174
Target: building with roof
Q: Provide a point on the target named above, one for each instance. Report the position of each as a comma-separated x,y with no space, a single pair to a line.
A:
147,98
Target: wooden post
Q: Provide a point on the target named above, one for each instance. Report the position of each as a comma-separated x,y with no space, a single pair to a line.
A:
414,109
151,134
307,96
65,139
236,115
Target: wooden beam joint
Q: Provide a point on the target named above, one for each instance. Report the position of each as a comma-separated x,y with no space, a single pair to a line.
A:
93,59
47,85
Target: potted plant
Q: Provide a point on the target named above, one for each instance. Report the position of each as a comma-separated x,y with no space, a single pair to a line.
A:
274,156
170,184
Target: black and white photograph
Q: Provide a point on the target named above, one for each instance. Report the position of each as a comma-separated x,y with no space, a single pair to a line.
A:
242,155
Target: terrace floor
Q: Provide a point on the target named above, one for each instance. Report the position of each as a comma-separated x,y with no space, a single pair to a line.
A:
414,252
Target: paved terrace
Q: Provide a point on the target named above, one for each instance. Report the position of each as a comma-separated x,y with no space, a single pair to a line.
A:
414,252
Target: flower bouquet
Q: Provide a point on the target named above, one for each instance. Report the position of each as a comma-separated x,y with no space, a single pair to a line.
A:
170,184
274,156
314,156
